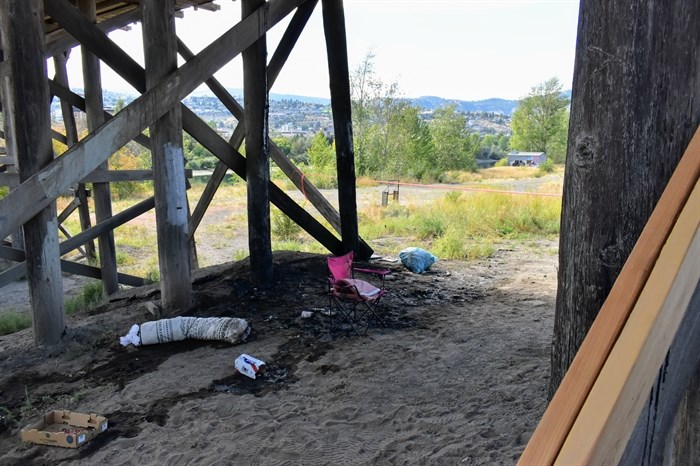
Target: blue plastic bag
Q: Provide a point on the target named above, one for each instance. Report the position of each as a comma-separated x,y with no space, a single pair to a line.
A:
416,260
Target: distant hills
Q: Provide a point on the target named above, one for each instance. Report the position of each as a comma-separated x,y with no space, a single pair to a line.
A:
494,105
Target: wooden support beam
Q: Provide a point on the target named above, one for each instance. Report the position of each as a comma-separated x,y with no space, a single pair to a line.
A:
132,72
28,102
257,152
550,434
168,161
70,208
336,47
604,425
102,197
39,190
20,270
63,41
81,238
302,183
72,139
59,137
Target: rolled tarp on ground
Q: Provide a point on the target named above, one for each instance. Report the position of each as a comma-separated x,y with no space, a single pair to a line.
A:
228,329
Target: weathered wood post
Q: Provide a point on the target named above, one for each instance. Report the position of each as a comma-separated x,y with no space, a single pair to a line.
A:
27,104
94,109
72,139
257,151
337,51
160,46
635,107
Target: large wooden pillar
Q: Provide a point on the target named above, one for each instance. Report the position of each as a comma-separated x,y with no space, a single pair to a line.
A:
257,152
94,108
160,46
337,51
72,139
635,107
27,104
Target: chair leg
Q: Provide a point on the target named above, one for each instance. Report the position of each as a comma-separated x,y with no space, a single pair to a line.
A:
343,315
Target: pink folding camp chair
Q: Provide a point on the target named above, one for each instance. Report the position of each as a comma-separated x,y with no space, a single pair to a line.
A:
347,294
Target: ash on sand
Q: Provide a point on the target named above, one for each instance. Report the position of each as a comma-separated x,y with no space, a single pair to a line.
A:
458,375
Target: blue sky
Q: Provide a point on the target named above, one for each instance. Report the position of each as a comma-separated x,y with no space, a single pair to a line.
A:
461,49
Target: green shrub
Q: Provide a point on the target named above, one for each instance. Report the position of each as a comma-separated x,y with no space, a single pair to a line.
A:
546,167
90,295
12,322
283,227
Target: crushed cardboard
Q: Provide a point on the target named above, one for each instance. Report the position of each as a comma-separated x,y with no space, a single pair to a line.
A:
66,429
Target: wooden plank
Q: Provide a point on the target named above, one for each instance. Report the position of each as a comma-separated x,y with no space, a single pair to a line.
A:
168,161
27,99
257,153
74,242
72,139
17,272
70,208
59,137
64,41
549,436
603,427
39,190
114,176
337,52
102,196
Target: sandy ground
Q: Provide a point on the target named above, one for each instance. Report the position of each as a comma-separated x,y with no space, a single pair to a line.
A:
457,376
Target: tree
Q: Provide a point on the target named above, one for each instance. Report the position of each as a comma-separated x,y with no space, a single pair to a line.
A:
540,122
119,105
631,122
321,152
454,148
365,89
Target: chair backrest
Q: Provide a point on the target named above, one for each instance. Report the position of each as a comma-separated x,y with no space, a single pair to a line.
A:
341,266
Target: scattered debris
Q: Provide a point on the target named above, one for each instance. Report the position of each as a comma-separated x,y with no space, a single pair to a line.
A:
65,429
416,260
249,366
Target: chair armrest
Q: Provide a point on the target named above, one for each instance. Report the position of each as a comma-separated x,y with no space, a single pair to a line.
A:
380,272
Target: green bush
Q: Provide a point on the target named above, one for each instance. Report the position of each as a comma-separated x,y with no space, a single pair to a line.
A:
547,166
12,322
283,227
90,295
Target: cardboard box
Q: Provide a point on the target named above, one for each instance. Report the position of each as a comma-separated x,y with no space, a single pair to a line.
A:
62,428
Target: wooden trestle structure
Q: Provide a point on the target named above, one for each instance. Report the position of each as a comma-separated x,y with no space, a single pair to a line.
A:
33,31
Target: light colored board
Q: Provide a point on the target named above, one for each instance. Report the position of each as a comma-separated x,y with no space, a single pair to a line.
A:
602,428
549,436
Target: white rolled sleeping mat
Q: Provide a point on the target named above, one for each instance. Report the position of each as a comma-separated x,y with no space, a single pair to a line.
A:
227,329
